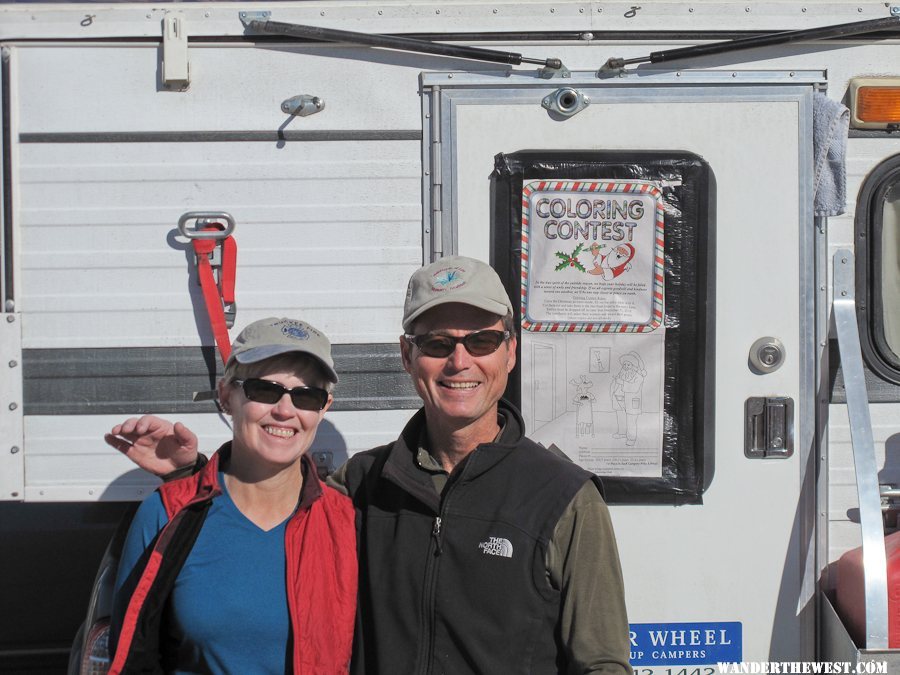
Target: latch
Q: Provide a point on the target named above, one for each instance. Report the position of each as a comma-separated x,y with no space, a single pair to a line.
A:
769,427
176,69
215,250
303,105
565,102
890,505
324,461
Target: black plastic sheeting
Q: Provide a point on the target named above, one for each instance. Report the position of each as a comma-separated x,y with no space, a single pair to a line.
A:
688,187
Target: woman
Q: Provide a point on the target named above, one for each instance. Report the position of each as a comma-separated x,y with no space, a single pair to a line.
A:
248,566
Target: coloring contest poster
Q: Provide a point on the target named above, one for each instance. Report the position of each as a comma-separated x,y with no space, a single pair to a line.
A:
592,306
592,254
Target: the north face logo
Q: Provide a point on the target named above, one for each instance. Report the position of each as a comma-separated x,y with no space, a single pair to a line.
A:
497,546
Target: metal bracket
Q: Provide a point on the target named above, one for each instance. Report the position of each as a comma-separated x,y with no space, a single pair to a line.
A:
769,427
12,430
548,72
303,105
565,101
870,520
176,68
249,17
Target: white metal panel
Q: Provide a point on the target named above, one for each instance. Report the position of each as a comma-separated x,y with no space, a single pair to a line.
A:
67,459
241,86
234,87
330,231
55,21
762,542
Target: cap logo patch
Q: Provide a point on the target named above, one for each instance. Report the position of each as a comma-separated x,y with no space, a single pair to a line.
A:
295,331
448,279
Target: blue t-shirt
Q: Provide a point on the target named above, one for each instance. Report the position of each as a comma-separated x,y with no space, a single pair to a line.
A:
228,611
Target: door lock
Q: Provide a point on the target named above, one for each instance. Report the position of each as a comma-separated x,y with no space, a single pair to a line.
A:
767,355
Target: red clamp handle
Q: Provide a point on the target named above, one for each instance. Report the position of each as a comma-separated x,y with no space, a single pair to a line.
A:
217,295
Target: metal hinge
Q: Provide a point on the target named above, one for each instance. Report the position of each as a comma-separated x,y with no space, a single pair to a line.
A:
434,165
176,68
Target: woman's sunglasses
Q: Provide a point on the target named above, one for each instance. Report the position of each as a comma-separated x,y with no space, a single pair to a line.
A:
303,398
479,343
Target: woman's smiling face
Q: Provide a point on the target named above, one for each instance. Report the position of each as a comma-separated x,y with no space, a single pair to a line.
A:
273,434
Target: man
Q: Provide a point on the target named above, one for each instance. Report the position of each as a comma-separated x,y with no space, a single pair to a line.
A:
480,551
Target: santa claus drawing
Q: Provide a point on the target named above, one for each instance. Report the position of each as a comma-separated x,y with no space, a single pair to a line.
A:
613,263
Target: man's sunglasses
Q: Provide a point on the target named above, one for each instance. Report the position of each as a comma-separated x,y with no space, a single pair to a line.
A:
303,398
479,343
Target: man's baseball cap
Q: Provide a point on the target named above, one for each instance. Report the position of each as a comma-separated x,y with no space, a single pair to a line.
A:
454,279
270,337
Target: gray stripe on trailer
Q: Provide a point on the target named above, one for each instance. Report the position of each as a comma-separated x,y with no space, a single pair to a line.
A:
162,380
221,136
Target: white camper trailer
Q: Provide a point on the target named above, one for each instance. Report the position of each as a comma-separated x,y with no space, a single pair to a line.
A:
695,205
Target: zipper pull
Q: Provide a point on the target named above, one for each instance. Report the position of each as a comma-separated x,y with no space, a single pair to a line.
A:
436,534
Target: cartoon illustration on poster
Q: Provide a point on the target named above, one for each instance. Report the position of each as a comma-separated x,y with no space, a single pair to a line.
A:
592,306
607,420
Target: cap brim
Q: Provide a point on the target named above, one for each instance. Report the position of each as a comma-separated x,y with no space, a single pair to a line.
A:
257,354
478,301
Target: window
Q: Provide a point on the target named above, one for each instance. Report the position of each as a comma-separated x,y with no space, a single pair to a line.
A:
878,269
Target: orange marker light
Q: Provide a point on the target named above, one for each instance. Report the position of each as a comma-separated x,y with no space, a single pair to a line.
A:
875,102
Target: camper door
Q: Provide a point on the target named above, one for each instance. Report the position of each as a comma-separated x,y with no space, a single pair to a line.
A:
657,233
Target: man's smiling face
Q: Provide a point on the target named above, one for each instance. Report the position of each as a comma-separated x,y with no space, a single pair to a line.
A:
460,389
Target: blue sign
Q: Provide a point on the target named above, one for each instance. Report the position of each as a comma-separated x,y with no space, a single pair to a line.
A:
685,644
